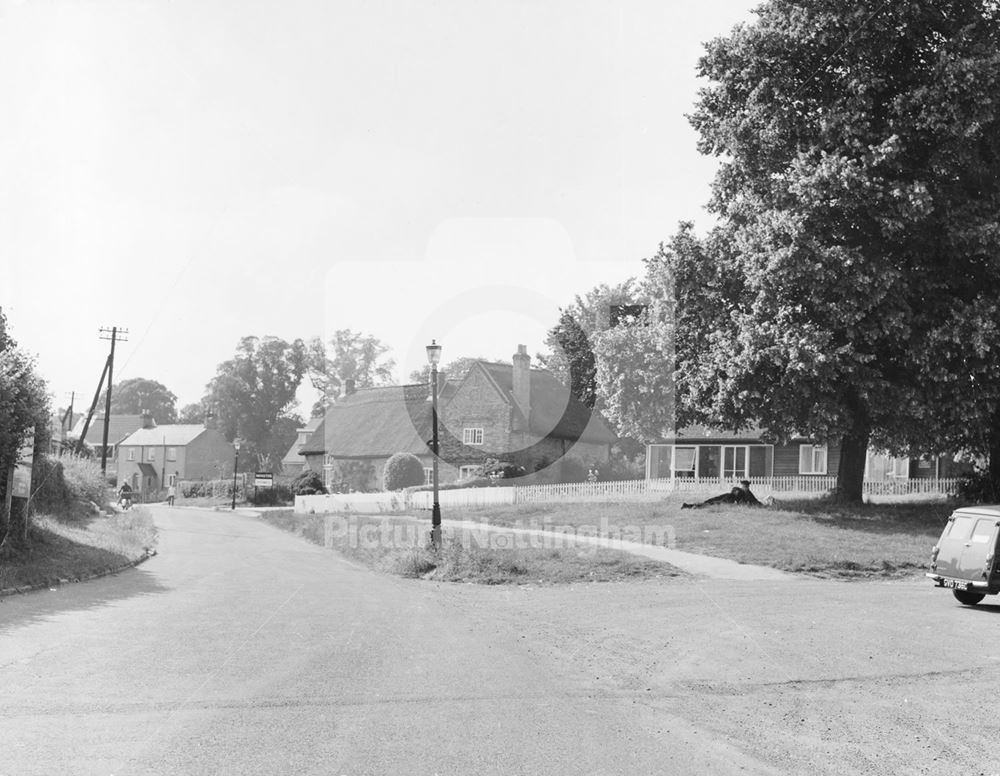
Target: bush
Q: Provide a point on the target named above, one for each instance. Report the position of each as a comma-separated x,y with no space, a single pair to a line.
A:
403,470
976,487
50,493
277,495
85,481
309,483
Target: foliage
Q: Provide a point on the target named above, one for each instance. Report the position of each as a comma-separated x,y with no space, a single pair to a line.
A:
977,487
192,413
308,483
136,394
85,481
501,470
277,495
570,354
577,355
453,370
24,404
67,486
253,395
403,470
857,199
349,355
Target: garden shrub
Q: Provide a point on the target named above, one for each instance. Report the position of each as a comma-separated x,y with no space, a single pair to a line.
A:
976,487
403,470
309,483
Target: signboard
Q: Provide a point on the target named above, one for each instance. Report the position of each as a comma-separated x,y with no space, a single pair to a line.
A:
263,479
22,471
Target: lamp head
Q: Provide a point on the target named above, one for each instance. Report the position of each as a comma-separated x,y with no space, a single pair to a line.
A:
433,353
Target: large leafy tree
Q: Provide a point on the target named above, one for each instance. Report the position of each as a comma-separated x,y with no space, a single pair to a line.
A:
857,199
24,404
570,342
136,394
348,355
253,396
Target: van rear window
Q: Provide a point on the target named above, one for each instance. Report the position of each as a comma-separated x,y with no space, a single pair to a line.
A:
984,529
961,528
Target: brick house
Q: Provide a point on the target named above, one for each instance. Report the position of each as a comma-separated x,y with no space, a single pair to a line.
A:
154,457
508,412
119,427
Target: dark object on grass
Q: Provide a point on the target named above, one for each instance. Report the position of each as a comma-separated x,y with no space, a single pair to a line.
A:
740,494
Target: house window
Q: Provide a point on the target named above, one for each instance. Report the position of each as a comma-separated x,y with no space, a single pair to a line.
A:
171,453
467,472
683,464
131,453
812,459
472,436
428,475
171,479
151,455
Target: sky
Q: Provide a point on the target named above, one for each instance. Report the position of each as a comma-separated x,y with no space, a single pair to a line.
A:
196,172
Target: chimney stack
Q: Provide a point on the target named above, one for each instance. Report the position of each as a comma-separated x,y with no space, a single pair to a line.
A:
349,386
147,419
210,419
522,384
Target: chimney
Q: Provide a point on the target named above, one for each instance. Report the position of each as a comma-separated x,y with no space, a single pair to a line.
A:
210,419
522,383
349,386
147,419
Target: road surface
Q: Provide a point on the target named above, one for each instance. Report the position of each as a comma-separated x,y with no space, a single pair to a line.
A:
240,649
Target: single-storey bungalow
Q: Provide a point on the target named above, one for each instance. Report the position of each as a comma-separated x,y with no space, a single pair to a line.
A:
699,452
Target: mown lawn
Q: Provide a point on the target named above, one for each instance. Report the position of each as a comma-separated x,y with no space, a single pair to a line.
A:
809,536
399,546
76,548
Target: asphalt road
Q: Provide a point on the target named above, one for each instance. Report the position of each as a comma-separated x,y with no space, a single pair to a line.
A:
240,649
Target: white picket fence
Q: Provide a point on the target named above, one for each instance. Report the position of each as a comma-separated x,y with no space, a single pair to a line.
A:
626,490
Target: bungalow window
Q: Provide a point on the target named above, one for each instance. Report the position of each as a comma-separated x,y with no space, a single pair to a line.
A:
467,472
428,475
812,459
472,436
131,453
684,462
151,455
171,453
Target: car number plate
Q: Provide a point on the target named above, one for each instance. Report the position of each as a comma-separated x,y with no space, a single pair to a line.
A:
957,584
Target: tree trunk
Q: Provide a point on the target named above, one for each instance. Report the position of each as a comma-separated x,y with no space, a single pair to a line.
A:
15,543
993,457
851,471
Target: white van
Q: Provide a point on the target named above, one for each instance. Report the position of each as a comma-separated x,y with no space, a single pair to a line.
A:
965,557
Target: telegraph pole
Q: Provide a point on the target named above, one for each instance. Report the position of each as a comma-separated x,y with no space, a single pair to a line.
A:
67,418
113,334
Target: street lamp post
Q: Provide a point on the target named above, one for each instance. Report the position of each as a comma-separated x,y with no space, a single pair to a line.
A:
236,463
434,356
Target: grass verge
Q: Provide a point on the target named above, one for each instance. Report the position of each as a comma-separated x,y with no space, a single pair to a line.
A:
809,536
65,550
398,546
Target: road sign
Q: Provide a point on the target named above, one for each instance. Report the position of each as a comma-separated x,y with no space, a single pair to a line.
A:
263,479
